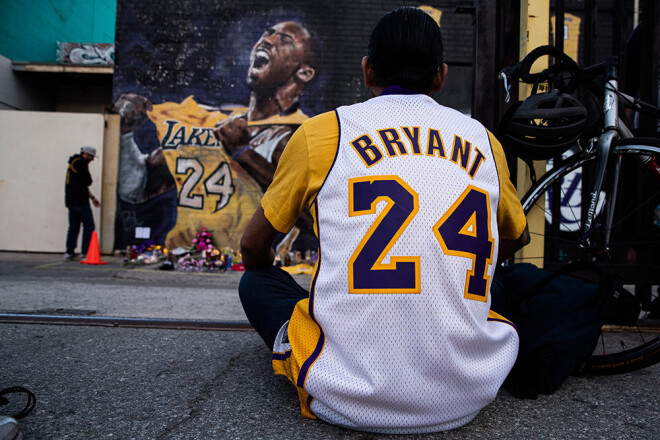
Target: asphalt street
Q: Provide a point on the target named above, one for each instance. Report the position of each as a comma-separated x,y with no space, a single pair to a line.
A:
129,383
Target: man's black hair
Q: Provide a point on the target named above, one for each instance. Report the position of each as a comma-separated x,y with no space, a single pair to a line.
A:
405,49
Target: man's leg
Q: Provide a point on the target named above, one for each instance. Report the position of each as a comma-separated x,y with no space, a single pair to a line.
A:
88,227
74,229
269,295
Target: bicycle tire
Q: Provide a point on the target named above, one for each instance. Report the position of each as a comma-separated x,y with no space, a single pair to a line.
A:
626,361
638,357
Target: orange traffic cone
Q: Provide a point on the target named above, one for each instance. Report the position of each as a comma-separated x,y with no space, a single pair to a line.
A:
93,254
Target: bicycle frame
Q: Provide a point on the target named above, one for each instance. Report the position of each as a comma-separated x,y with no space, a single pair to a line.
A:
604,174
601,148
610,134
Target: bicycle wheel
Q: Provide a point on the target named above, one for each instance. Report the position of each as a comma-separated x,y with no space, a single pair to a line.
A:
634,237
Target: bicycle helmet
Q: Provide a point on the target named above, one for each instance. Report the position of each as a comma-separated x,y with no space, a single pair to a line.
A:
543,126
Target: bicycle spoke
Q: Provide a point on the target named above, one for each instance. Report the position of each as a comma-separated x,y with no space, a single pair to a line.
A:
632,212
575,218
641,335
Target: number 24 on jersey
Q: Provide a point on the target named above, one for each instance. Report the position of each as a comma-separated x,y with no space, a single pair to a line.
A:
463,231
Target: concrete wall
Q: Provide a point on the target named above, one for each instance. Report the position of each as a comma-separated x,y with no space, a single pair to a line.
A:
40,91
19,93
109,181
35,148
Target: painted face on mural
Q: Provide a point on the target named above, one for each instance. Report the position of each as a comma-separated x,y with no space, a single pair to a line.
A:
279,56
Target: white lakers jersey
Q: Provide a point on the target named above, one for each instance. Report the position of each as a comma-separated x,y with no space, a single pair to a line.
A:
397,336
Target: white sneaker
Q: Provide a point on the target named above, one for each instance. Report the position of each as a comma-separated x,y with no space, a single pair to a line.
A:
67,257
9,429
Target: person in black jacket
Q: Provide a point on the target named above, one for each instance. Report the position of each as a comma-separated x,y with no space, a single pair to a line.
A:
77,197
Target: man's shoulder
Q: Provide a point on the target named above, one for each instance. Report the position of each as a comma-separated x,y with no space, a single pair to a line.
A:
323,121
466,119
320,128
77,161
460,119
456,116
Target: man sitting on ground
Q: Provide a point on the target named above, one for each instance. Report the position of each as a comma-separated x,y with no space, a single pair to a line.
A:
413,206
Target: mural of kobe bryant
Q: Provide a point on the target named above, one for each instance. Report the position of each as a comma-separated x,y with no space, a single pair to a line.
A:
212,164
281,65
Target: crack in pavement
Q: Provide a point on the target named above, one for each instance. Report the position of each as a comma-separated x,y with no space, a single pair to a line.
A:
204,394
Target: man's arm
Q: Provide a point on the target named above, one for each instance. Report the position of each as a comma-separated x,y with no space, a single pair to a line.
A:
510,215
95,201
259,168
159,177
507,248
294,187
257,241
141,176
235,139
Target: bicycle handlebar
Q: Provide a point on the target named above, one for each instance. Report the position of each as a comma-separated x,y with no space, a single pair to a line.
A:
564,63
521,69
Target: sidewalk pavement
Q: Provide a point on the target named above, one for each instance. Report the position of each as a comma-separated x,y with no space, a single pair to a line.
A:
126,383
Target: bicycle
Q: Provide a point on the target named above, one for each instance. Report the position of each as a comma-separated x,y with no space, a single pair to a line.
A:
597,165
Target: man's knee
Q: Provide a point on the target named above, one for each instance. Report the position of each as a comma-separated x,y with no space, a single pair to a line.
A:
249,282
268,283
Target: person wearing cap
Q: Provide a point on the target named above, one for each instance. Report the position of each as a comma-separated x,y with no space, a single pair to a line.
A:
77,196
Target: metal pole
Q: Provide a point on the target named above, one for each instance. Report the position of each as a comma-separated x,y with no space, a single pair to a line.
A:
647,79
534,32
104,321
559,24
618,17
484,102
588,32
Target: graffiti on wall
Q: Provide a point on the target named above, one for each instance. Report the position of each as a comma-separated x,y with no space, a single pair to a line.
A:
97,54
208,102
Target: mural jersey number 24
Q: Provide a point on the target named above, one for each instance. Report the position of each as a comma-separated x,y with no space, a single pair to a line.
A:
219,183
463,231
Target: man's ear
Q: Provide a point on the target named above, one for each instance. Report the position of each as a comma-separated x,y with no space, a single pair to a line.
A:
439,79
305,73
368,72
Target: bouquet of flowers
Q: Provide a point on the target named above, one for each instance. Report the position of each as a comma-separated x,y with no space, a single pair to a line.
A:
203,255
147,253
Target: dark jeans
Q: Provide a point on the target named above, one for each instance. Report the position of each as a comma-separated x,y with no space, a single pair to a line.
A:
269,295
78,215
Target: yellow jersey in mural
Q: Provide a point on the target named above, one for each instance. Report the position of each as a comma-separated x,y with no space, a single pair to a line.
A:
212,190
